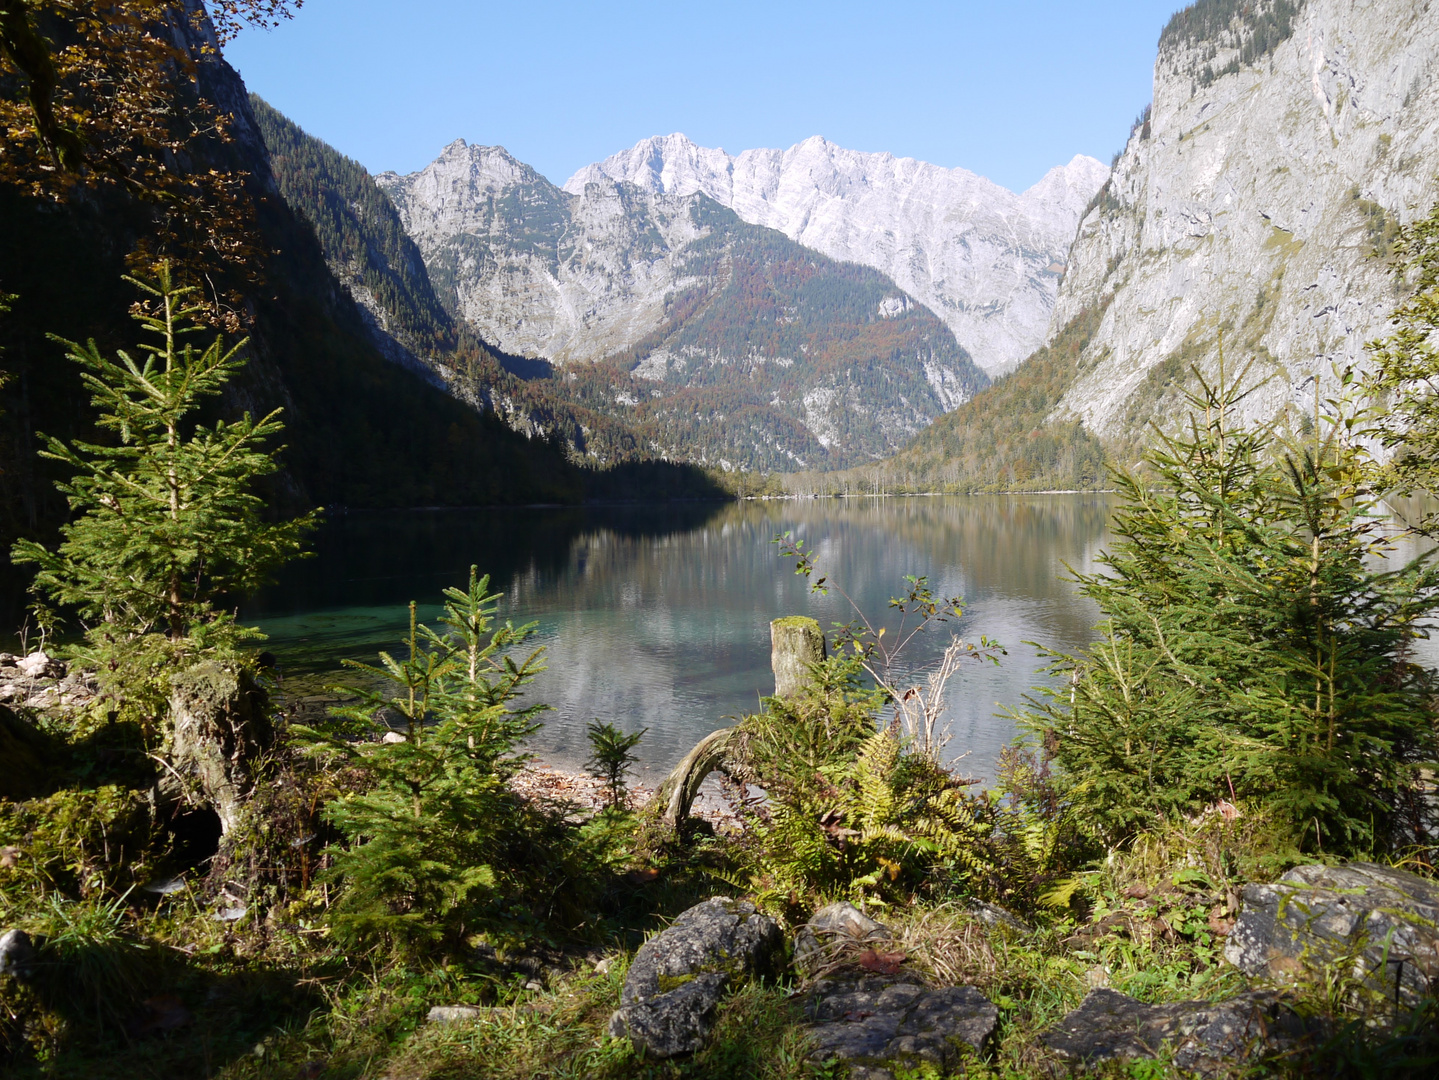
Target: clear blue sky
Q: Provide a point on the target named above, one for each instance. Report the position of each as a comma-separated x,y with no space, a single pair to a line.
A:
1006,89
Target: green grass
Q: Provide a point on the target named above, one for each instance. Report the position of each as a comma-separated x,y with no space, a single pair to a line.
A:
281,1005
273,996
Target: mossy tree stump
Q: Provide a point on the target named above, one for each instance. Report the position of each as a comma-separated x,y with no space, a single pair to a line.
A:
220,728
796,643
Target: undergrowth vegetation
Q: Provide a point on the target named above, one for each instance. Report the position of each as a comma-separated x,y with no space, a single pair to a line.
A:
1252,703
1255,645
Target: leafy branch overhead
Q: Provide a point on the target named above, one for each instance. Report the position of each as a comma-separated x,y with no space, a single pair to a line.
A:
111,93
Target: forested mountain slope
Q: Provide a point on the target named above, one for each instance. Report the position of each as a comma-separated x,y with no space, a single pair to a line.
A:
361,431
720,342
366,247
361,237
1003,439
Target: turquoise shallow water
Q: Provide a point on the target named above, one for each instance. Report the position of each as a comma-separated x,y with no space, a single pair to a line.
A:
658,617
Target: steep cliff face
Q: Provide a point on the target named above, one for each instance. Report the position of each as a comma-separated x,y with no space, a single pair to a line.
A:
722,342
985,260
535,271
1285,145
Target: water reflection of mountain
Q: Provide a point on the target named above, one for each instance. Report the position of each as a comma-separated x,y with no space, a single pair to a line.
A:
658,616
387,557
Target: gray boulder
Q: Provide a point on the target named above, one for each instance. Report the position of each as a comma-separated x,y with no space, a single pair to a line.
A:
875,1024
473,1014
1385,922
17,954
669,998
678,1021
835,929
40,665
456,1014
1204,1036
998,918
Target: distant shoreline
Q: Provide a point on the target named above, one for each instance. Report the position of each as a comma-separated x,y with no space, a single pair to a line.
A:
925,494
345,511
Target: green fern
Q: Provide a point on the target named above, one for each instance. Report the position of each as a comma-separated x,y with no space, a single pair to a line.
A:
853,811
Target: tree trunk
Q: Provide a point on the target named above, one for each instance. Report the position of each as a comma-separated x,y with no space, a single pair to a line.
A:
219,727
677,793
796,644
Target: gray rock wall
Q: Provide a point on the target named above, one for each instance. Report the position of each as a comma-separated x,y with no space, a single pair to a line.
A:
1251,206
984,259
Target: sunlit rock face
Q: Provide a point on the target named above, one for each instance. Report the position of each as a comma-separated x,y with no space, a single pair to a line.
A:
535,271
1254,209
987,261
730,343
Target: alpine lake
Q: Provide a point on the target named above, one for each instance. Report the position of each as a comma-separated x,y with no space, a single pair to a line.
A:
656,617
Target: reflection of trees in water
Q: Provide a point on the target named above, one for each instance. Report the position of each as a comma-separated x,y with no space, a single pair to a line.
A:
658,616
1015,543
686,613
373,559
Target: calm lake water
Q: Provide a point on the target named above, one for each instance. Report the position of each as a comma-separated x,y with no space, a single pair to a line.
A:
658,617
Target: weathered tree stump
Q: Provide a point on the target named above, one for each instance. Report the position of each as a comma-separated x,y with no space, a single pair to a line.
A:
677,793
219,729
796,643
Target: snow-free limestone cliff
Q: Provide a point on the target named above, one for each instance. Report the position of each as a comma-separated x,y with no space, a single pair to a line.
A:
727,343
984,259
1257,202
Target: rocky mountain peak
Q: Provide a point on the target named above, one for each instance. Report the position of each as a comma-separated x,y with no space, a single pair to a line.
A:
489,167
1066,190
663,164
984,259
723,342
443,197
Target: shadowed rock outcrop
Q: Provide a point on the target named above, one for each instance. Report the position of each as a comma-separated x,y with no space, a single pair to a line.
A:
1203,1035
17,954
875,1024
